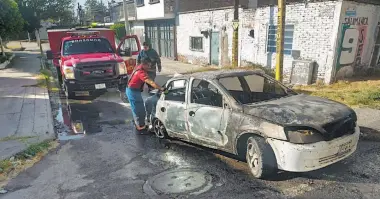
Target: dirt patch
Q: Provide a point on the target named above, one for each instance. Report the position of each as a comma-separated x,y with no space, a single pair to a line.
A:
352,93
11,167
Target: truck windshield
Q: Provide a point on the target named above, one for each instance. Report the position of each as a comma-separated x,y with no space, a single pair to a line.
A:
87,45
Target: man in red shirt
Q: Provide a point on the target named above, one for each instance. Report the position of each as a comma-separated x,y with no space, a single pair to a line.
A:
133,91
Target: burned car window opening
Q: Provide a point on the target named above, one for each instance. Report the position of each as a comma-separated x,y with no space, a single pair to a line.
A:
87,45
177,91
253,88
203,92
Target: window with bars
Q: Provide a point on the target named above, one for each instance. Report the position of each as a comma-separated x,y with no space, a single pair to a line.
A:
288,39
140,2
196,43
154,1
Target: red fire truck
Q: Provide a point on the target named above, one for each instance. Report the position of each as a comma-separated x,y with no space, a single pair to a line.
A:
87,60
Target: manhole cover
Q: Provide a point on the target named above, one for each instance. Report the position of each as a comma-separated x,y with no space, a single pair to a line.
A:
179,182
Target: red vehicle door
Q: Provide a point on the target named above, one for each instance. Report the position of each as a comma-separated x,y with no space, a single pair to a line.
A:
128,49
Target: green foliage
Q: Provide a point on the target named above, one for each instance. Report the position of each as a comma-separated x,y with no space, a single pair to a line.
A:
31,21
11,21
95,10
59,11
119,29
5,58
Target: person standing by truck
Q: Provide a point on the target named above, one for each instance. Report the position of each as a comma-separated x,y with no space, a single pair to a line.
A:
148,52
133,91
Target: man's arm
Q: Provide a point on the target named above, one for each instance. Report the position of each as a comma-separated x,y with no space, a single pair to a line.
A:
153,84
144,77
139,58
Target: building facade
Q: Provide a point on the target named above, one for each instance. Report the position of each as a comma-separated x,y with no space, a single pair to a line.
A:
156,24
323,39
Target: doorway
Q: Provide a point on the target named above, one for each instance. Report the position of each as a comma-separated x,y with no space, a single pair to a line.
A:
215,48
375,60
161,35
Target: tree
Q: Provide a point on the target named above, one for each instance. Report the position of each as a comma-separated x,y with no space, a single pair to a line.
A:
11,21
95,10
31,21
119,29
49,9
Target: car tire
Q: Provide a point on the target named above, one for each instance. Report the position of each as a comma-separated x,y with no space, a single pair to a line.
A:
159,129
260,157
59,78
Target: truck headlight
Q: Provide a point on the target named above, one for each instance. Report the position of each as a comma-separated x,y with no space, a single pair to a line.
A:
304,136
122,68
69,72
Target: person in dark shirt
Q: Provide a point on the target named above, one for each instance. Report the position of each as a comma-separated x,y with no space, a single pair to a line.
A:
133,91
150,53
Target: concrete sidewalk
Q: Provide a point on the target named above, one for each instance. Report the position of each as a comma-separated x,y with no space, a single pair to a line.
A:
25,115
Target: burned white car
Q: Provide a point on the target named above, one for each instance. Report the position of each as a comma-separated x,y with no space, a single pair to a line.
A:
251,115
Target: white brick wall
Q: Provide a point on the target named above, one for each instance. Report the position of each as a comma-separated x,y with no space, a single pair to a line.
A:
316,28
313,30
191,24
346,60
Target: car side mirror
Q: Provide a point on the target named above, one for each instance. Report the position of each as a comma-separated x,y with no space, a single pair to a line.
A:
49,55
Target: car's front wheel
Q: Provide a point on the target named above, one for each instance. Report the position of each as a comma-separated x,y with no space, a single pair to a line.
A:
260,157
159,129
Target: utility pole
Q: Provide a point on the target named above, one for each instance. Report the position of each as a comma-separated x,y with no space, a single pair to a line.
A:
280,39
235,36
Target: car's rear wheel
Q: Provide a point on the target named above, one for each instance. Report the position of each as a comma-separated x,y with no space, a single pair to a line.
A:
260,157
159,129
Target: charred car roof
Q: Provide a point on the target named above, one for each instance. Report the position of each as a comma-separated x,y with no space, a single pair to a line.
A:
220,74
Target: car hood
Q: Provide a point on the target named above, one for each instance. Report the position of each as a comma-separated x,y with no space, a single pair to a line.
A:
93,57
299,110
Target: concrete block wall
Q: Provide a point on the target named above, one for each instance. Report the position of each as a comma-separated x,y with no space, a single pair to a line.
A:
315,25
191,25
318,34
358,29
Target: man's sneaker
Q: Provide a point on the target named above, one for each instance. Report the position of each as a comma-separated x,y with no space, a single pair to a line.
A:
150,128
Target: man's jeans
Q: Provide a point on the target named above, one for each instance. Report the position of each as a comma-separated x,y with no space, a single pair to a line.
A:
150,107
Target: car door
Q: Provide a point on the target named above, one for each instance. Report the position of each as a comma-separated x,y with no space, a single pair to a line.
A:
171,108
128,49
207,114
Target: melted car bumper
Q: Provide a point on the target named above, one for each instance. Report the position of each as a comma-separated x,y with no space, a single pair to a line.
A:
308,157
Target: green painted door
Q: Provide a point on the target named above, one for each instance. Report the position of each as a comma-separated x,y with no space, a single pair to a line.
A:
215,48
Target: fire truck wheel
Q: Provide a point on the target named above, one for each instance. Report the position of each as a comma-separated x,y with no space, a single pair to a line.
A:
69,94
59,78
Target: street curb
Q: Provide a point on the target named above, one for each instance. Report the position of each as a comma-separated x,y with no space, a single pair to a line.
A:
7,63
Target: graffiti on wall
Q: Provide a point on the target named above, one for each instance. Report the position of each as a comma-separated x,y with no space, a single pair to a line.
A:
351,45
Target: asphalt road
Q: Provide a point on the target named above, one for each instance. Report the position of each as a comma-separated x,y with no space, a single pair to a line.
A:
111,161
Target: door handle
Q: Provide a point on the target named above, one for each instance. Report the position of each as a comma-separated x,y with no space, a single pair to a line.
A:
192,113
163,109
